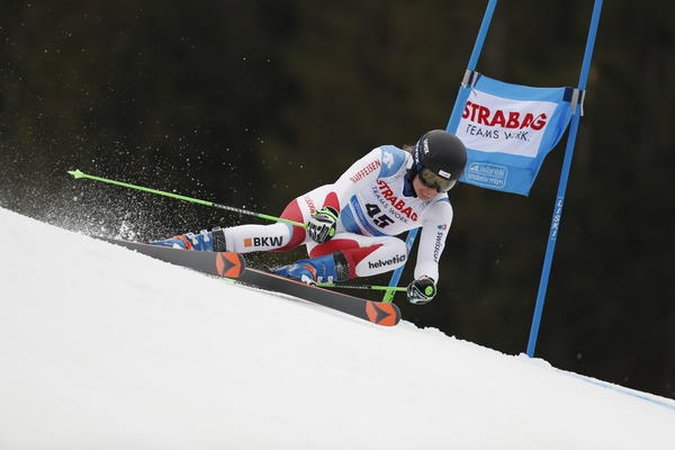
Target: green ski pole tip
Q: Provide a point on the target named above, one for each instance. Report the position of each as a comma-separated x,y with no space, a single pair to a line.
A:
76,173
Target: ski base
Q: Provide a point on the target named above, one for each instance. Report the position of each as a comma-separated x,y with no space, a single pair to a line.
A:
232,265
223,264
386,314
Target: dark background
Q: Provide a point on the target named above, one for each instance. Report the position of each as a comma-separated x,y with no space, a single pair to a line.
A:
253,102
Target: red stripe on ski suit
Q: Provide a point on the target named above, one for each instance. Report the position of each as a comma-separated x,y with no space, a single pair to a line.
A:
332,201
292,212
349,248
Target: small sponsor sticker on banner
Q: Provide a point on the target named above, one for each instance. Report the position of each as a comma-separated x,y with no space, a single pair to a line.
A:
487,175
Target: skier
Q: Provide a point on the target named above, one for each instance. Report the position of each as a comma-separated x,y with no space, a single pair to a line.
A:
351,224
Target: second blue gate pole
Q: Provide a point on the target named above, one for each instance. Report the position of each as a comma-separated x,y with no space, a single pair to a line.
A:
562,186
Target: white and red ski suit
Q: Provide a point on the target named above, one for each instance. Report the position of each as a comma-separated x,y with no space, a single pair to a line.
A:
376,202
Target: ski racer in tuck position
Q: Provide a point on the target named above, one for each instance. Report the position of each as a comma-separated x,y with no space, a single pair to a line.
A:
352,223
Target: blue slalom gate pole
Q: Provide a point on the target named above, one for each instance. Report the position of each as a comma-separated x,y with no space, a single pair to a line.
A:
562,186
454,120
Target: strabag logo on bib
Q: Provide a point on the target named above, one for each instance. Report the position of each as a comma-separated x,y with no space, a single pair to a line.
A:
495,124
398,203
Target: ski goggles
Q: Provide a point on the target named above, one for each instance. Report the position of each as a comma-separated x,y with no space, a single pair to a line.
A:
432,180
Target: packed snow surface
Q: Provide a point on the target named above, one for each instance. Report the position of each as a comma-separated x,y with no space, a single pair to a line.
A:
103,348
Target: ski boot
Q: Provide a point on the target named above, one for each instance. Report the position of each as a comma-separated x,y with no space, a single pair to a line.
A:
324,269
204,241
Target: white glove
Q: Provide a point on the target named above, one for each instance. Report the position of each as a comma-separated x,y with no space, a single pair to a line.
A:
322,225
421,290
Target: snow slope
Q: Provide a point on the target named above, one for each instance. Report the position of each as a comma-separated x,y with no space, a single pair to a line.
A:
102,348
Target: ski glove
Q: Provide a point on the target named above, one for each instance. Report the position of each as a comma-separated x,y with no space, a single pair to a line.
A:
421,291
322,225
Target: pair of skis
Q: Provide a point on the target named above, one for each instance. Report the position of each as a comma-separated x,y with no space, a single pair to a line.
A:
232,265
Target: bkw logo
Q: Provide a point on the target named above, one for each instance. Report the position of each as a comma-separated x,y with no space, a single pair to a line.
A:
267,241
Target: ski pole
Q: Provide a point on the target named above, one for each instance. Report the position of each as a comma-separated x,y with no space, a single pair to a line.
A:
361,286
79,174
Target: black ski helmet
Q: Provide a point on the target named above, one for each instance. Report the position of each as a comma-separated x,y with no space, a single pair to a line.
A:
443,154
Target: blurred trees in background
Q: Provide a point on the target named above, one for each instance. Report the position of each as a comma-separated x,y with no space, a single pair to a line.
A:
252,103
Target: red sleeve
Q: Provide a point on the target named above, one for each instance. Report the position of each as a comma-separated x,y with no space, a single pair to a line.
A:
332,200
